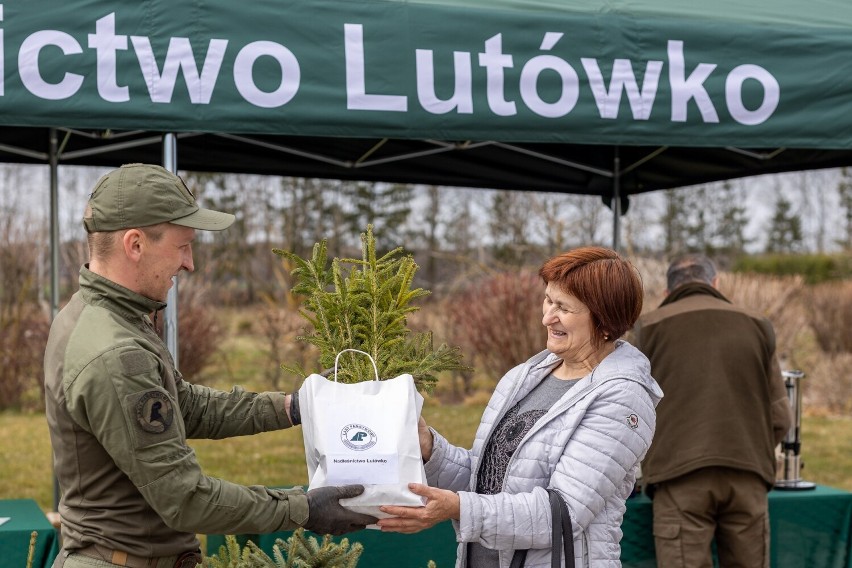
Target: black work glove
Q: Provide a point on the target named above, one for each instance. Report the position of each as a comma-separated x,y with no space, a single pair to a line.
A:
327,516
295,415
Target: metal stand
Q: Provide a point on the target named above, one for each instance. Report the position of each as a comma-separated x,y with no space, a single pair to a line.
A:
792,443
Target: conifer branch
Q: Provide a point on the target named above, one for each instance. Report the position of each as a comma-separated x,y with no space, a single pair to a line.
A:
367,308
298,551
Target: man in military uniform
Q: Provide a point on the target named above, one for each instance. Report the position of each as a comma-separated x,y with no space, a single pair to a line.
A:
120,413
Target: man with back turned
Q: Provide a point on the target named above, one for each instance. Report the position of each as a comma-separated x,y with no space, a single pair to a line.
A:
725,410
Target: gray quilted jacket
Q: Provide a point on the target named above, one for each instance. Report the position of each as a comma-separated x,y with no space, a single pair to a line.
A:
588,446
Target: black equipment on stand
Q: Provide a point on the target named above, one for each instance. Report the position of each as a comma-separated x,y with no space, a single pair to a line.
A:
792,444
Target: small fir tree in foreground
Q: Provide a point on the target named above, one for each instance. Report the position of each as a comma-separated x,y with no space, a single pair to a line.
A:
298,551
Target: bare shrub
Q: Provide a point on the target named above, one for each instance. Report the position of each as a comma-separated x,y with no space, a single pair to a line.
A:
830,316
199,331
784,301
496,320
23,323
779,299
653,274
776,298
23,337
73,254
454,386
279,326
827,385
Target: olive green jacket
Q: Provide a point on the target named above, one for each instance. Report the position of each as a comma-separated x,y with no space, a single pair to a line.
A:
120,414
726,403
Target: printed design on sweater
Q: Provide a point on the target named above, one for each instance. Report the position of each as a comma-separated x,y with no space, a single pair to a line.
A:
503,443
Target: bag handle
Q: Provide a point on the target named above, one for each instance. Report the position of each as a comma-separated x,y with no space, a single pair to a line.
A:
376,369
561,538
559,510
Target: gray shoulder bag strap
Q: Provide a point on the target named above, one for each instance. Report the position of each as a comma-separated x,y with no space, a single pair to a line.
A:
562,538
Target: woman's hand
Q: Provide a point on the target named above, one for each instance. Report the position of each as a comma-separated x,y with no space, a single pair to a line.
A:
426,439
440,506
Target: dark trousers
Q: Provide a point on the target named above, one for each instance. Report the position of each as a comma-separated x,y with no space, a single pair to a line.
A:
727,504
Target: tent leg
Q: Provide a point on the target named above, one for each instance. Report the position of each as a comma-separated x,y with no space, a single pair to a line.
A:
53,160
54,224
170,328
616,201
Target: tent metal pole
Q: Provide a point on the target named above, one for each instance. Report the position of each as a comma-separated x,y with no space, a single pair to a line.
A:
53,161
616,201
170,328
54,223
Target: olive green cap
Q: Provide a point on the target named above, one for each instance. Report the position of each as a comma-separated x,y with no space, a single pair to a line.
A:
141,195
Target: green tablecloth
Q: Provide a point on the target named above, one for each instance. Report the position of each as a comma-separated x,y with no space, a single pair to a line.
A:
810,529
25,516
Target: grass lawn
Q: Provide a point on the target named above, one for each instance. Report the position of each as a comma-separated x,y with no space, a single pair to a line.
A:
278,458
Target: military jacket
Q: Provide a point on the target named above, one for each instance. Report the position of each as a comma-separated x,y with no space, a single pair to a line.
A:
120,414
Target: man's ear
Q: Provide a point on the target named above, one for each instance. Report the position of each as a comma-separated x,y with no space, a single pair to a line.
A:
715,282
133,244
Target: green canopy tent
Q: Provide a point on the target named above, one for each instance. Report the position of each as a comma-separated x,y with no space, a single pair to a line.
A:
597,97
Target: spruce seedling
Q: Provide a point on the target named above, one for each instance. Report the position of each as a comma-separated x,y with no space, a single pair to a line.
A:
364,304
298,551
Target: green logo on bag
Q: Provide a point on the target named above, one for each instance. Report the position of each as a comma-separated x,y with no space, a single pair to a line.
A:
358,437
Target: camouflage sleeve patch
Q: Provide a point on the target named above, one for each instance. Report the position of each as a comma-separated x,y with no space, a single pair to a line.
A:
137,362
154,411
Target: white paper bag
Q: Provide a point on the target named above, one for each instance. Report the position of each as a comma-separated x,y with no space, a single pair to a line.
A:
363,433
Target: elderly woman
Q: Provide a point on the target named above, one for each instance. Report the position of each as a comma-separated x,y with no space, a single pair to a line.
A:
578,417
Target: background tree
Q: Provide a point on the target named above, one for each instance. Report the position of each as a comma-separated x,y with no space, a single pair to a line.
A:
555,226
675,222
464,236
590,217
301,210
509,222
698,221
462,231
24,321
732,221
231,249
429,232
784,233
384,206
844,192
639,227
337,221
813,206
560,220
